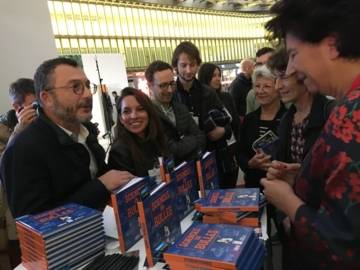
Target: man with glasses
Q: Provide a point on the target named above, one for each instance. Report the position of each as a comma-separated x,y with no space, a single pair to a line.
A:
57,159
185,138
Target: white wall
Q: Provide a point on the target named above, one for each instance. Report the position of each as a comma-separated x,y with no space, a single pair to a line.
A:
26,40
113,75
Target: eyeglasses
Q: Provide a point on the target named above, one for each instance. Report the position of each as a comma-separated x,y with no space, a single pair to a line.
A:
165,85
78,87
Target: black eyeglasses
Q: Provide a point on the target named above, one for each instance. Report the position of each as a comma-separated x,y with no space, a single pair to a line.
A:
78,87
165,85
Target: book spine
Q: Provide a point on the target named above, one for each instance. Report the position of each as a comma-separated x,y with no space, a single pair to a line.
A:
200,178
118,223
149,257
199,261
191,266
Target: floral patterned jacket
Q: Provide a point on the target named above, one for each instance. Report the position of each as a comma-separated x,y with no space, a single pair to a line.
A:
326,231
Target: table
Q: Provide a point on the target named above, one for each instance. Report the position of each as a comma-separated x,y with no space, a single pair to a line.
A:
112,245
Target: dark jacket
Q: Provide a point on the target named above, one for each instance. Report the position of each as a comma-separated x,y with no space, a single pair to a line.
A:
120,157
239,88
43,168
320,110
185,139
249,132
199,100
229,104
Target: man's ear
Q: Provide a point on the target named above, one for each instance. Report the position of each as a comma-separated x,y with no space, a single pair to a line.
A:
15,106
46,98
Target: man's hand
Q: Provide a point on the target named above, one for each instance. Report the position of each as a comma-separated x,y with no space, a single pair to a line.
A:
283,171
114,179
26,115
216,134
260,161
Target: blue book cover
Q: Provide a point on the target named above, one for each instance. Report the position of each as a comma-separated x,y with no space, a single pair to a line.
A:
234,199
208,173
186,189
159,221
224,246
124,202
59,219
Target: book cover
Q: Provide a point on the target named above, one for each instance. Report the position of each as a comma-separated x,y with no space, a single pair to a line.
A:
207,173
159,221
51,222
268,143
166,166
235,199
124,202
186,189
219,245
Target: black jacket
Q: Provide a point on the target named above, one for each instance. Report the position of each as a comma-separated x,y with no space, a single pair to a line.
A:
43,168
320,110
120,157
239,88
199,100
185,139
249,132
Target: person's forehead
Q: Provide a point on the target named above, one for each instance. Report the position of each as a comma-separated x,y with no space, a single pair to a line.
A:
185,58
68,73
164,75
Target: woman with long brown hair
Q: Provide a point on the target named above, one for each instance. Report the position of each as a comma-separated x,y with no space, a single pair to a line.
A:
139,140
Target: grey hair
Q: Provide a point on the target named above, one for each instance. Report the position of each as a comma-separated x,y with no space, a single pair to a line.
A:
262,71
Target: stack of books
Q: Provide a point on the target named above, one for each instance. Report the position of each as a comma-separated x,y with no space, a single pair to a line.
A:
240,206
216,247
66,237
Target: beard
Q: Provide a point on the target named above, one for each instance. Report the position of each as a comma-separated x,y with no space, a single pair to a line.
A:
69,115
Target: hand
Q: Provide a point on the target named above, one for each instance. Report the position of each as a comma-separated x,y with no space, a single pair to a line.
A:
283,171
260,161
26,116
114,179
282,196
216,134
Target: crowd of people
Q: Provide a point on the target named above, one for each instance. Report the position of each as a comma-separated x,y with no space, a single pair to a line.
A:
305,93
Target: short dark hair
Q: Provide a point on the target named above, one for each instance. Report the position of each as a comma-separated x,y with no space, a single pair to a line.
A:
19,89
313,20
188,48
42,77
263,51
206,72
278,61
155,67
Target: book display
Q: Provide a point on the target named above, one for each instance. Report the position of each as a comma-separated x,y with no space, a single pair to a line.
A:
184,176
207,173
216,246
159,221
124,203
66,237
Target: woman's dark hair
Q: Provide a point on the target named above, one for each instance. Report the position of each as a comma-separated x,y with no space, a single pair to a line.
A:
206,72
153,132
313,20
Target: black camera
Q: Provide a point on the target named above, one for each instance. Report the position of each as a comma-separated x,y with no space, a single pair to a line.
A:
35,105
